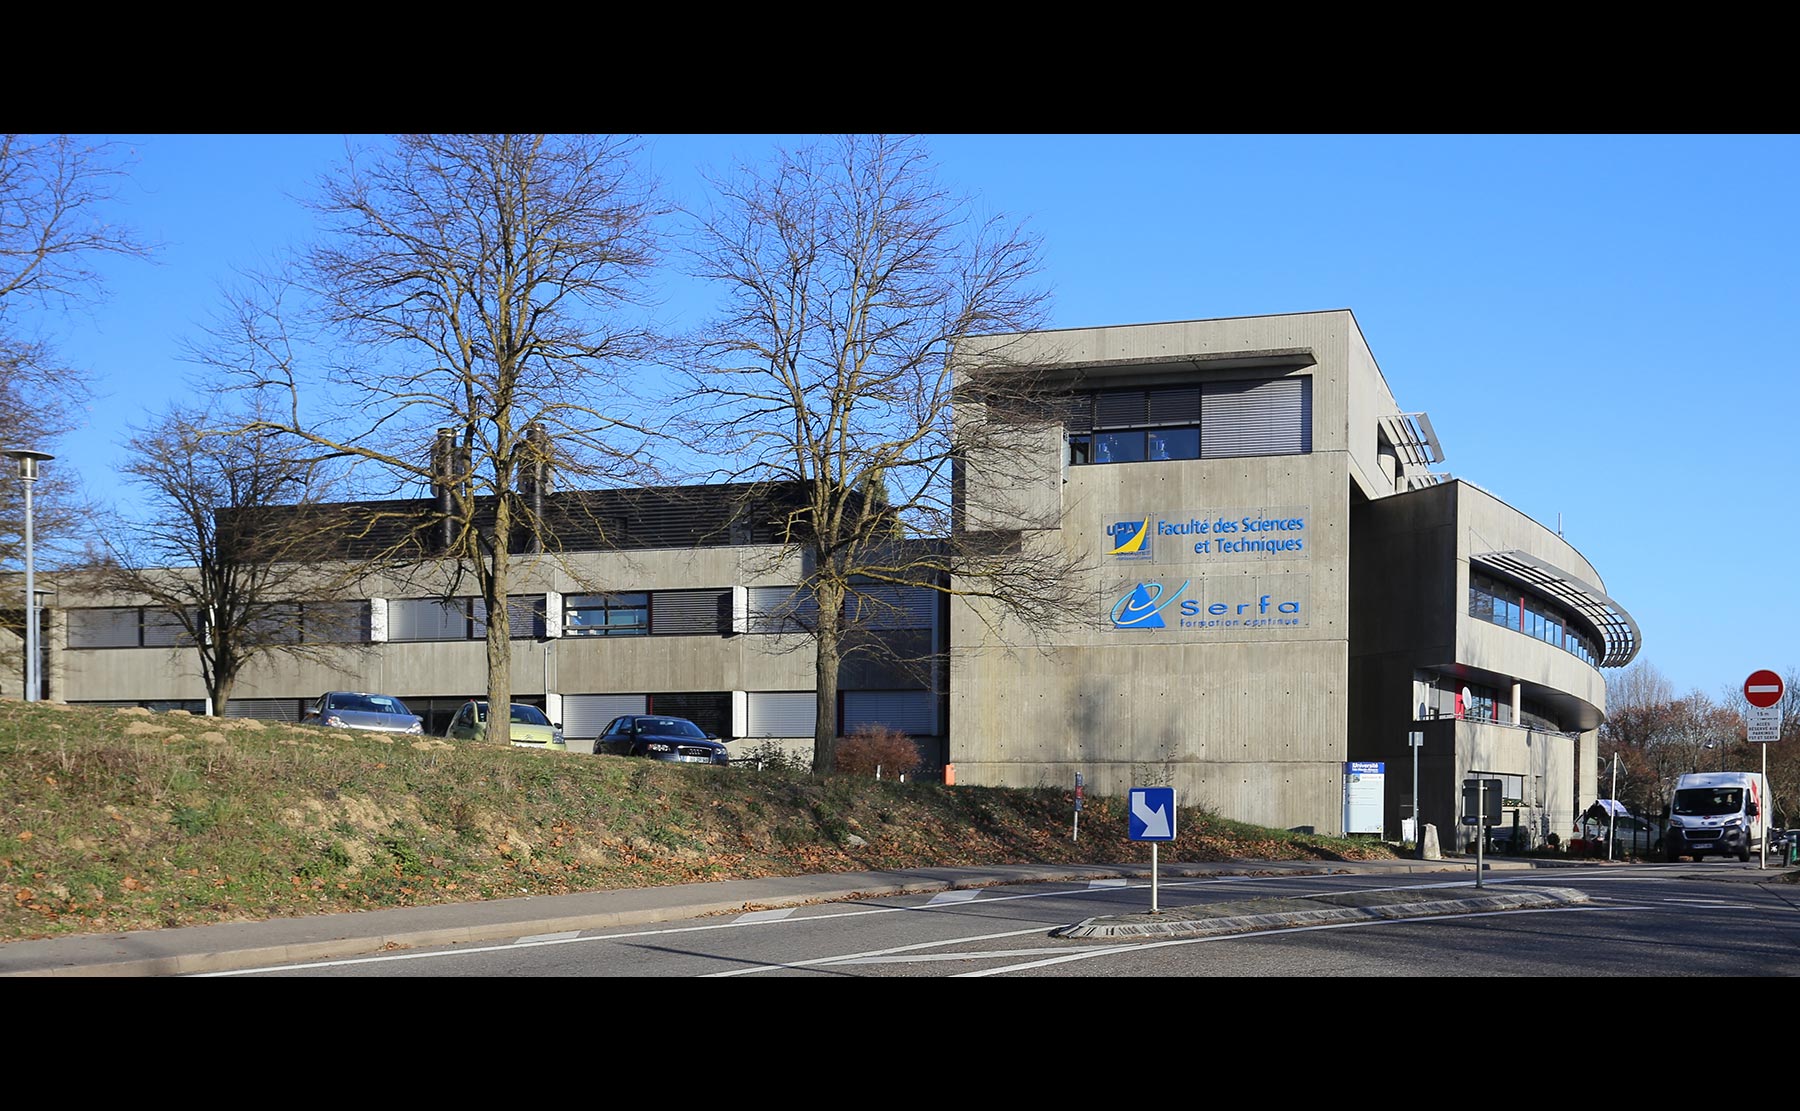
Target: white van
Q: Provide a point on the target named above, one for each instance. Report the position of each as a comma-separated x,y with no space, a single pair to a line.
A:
1717,813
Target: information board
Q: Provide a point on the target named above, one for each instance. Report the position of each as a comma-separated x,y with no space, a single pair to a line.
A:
1365,793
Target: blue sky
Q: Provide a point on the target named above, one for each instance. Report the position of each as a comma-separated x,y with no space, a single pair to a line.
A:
1595,324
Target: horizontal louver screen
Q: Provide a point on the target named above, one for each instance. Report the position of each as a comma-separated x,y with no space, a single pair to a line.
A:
266,709
1175,406
710,710
585,715
336,622
890,606
776,609
163,629
1119,409
781,713
912,712
427,619
1256,418
104,628
686,613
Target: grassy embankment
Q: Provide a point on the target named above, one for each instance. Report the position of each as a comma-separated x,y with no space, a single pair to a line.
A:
115,820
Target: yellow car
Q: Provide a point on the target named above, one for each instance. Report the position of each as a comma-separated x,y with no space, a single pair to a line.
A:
530,728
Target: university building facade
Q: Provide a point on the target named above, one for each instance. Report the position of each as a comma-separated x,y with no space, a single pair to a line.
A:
1277,593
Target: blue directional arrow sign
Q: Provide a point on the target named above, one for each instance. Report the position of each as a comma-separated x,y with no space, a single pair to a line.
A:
1152,813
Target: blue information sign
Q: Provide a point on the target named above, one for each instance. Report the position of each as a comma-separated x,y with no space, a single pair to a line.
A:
1152,813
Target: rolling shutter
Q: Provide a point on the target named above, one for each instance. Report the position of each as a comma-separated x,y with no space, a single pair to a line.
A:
782,714
913,712
777,609
266,709
427,619
686,612
104,628
890,606
584,715
1272,417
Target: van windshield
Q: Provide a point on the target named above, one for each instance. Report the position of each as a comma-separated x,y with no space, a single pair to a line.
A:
1702,802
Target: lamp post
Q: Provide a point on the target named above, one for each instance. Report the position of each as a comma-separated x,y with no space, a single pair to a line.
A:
28,461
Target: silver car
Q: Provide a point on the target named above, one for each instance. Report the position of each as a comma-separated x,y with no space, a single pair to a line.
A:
381,713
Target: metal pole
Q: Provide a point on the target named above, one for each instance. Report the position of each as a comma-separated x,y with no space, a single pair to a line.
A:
1480,823
1761,821
1418,826
1153,908
31,620
1612,812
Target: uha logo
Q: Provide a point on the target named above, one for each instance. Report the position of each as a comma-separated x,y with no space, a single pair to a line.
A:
1131,539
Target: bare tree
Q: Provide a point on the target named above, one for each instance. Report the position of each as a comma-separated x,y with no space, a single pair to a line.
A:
848,273
474,293
230,547
52,231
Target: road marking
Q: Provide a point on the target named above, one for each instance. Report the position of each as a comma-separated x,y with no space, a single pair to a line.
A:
1111,950
536,939
943,897
763,916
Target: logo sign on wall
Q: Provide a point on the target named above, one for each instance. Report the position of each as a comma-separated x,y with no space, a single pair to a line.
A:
1231,604
1131,539
1204,536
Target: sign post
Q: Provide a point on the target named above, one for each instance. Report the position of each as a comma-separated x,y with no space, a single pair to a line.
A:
1152,818
1763,690
1075,834
1417,740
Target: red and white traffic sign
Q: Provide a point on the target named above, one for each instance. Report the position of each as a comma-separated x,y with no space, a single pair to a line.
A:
1763,688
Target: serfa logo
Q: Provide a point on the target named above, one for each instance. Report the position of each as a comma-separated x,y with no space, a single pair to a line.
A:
1142,608
1131,539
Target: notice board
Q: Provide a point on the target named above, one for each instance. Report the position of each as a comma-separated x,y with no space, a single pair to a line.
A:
1365,792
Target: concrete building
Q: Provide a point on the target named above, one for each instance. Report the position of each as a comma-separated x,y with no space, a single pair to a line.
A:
1280,590
689,608
1276,592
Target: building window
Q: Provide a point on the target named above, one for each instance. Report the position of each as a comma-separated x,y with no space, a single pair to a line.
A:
1504,604
1215,420
606,615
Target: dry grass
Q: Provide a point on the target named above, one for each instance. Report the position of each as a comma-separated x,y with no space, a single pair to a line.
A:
125,820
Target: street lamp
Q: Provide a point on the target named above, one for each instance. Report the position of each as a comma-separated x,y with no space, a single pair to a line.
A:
28,463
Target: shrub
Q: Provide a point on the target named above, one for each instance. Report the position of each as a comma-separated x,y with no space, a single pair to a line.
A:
877,746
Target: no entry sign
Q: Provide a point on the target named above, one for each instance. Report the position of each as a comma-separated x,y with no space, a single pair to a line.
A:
1763,688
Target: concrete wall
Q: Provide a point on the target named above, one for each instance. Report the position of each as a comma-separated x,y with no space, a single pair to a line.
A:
1410,585
570,665
1238,712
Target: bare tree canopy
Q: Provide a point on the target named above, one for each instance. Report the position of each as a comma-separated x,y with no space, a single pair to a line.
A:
472,296
238,582
847,272
53,190
52,232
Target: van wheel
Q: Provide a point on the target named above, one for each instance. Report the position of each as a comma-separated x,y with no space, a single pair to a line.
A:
1744,853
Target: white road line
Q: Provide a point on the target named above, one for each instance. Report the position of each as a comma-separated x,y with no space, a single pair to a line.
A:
843,958
763,916
963,896
1107,952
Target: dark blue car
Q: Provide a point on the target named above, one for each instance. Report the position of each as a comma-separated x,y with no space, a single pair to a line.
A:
660,737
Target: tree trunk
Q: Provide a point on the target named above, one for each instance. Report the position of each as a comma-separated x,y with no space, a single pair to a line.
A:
825,677
219,690
499,633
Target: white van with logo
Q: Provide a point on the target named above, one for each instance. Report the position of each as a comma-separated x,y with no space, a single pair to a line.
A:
1717,813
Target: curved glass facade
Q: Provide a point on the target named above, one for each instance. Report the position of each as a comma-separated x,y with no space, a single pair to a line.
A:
1518,609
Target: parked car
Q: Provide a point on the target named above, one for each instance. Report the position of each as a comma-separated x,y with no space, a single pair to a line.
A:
660,737
530,728
380,713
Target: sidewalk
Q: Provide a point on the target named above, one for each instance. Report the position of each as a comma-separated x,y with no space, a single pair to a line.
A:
239,945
